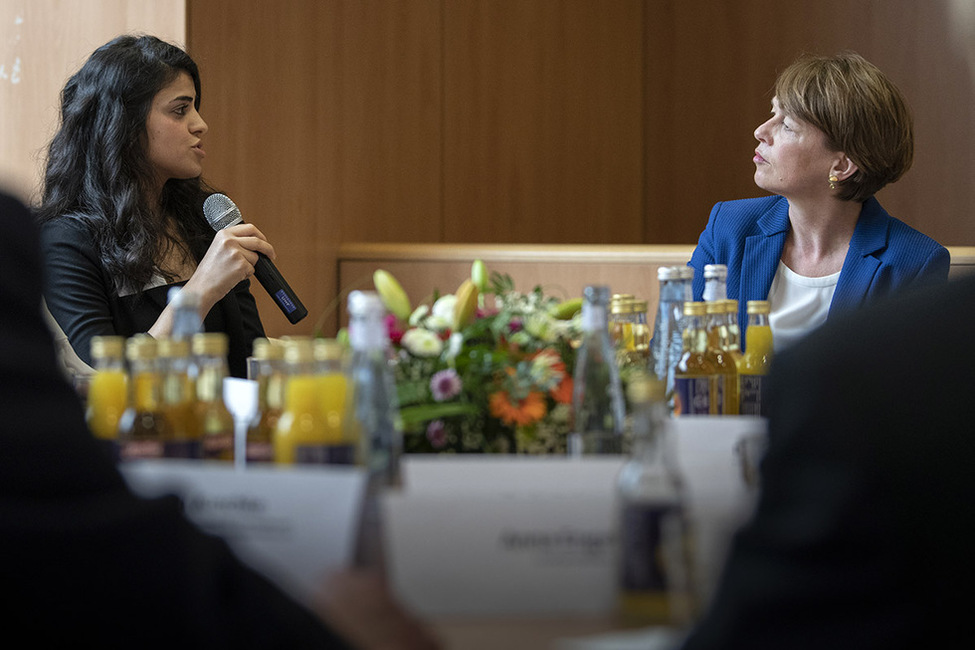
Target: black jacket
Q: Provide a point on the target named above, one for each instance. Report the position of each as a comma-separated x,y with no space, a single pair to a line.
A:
83,300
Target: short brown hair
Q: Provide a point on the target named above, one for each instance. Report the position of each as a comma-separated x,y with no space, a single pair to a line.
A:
860,110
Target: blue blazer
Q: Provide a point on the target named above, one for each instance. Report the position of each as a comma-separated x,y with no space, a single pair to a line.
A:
886,255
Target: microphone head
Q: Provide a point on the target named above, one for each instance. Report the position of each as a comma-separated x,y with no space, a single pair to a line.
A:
221,212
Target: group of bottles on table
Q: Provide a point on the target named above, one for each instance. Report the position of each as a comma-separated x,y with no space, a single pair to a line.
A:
707,372
166,401
318,402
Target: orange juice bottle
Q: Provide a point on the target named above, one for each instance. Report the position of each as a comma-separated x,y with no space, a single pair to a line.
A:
213,419
271,380
727,367
108,392
302,435
696,375
143,428
754,363
330,368
178,399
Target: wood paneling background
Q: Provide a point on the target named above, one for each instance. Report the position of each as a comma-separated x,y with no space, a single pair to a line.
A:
500,121
42,43
543,121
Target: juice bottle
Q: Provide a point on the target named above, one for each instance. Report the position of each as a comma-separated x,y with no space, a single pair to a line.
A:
214,421
302,435
143,428
696,375
655,563
727,367
271,380
731,334
108,392
178,400
331,370
754,363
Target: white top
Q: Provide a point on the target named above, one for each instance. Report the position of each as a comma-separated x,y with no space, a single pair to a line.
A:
799,304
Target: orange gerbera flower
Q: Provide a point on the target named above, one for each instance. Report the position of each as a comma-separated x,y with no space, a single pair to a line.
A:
563,392
520,413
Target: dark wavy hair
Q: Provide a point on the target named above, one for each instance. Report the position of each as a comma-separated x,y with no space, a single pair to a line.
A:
97,165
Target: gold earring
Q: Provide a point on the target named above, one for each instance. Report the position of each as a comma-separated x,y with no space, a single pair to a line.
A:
833,180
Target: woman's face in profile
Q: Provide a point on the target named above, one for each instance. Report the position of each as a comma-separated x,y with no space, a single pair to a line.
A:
174,129
792,158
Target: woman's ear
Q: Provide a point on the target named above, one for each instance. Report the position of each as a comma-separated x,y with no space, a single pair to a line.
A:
843,168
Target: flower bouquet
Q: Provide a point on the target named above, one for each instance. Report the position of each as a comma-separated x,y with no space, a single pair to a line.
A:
485,369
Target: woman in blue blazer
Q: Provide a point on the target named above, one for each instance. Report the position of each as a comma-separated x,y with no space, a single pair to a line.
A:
839,131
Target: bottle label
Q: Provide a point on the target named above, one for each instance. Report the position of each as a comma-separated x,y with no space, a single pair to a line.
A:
260,452
140,449
183,449
647,532
218,446
692,395
325,454
751,395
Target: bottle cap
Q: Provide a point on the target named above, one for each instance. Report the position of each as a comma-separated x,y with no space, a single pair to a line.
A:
695,308
624,306
266,350
173,348
367,326
668,273
686,272
596,294
179,297
298,350
362,303
210,344
759,306
107,347
328,350
716,271
140,347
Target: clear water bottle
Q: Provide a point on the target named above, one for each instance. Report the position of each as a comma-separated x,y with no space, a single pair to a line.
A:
598,409
667,344
372,418
715,282
186,317
374,407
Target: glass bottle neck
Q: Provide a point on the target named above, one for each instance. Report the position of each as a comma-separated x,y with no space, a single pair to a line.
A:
209,381
366,332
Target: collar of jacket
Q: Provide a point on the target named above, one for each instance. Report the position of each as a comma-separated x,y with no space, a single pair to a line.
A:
859,267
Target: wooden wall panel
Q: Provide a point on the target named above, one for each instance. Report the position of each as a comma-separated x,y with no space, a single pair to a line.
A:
325,127
716,63
42,43
543,121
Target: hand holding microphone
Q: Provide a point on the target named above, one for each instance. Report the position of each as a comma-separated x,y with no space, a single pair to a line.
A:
221,213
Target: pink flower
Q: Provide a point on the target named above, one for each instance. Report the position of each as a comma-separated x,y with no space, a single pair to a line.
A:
445,385
437,434
395,334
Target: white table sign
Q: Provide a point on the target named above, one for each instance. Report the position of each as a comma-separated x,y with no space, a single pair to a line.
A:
504,536
291,524
535,536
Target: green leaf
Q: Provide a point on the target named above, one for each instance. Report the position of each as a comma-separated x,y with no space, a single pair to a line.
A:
420,413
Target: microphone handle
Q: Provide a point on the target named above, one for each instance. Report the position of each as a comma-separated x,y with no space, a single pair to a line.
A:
274,283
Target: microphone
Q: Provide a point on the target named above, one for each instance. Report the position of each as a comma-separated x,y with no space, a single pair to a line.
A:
220,213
